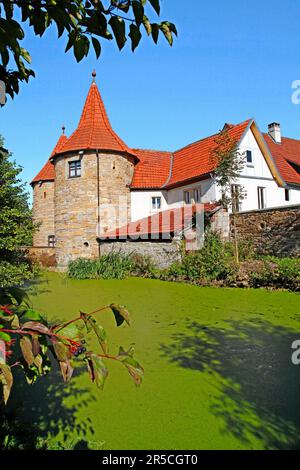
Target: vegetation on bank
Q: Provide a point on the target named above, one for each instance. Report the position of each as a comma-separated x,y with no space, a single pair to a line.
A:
214,264
16,226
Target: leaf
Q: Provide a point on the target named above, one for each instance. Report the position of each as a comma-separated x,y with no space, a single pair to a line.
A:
97,369
135,36
155,5
101,335
155,32
120,313
31,315
138,11
35,326
4,336
35,346
62,351
26,348
81,47
66,370
123,352
147,25
85,317
97,47
7,380
118,27
134,368
70,331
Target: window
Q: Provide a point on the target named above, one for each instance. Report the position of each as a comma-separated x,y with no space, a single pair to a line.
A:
197,194
287,195
187,197
236,203
249,156
156,203
51,241
75,169
45,194
261,194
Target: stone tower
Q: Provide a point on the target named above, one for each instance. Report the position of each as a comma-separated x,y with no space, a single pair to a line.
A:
93,173
43,201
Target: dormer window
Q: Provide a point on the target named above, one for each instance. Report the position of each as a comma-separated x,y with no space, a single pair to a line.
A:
75,169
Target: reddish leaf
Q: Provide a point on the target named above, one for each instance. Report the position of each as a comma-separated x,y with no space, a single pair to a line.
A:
26,348
35,326
7,380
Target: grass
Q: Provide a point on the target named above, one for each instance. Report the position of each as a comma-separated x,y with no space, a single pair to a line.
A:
218,373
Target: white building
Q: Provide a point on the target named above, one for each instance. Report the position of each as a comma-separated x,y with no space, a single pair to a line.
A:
271,176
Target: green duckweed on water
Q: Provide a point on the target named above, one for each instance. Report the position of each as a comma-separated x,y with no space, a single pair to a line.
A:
218,371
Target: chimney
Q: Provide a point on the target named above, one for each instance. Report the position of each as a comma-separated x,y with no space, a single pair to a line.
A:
275,132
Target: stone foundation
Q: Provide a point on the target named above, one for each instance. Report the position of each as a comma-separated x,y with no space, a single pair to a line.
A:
161,253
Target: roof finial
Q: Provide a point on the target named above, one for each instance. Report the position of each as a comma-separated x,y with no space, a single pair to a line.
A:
94,75
63,127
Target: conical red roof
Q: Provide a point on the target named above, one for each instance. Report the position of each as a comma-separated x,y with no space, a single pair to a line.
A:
94,130
47,173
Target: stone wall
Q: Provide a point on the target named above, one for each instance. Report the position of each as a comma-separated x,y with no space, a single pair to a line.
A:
43,211
162,253
271,231
77,219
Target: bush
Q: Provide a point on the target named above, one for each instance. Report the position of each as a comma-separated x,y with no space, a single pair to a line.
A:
142,265
114,265
276,272
212,262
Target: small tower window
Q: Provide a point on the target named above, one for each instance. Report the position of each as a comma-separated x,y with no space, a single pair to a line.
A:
51,241
75,169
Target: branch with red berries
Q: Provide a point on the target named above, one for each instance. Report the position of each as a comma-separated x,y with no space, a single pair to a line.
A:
28,341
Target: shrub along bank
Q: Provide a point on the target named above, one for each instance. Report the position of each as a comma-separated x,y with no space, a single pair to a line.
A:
214,264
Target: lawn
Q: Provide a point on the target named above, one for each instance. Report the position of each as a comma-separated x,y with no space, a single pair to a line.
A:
218,373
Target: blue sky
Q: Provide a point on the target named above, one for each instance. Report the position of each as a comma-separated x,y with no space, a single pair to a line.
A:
232,60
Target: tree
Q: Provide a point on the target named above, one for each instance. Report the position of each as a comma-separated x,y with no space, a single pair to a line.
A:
16,226
229,163
86,22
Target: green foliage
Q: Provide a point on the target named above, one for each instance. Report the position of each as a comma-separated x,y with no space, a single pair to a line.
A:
85,23
114,265
228,162
209,263
276,272
16,226
28,342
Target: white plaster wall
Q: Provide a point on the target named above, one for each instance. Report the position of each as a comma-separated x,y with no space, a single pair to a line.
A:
208,193
252,176
258,174
141,203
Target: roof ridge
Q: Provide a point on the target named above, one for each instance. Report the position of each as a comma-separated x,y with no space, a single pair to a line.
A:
152,150
210,136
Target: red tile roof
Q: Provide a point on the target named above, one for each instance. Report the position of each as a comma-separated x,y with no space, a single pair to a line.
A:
195,160
153,169
94,130
164,222
47,173
288,150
